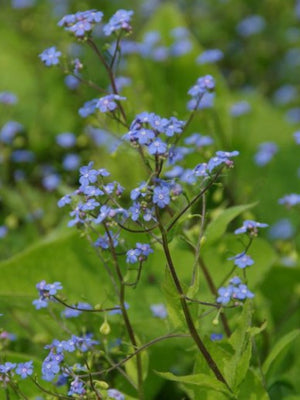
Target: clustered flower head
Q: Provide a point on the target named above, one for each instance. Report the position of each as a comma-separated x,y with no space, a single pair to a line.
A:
236,290
201,93
81,22
8,369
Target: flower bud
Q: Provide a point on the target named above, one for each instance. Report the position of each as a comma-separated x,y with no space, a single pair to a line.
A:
105,328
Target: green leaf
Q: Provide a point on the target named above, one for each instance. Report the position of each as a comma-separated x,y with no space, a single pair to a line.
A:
206,381
236,368
252,388
218,226
278,348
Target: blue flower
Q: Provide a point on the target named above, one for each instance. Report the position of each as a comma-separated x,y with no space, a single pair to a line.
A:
251,227
198,140
210,56
241,292
201,170
203,84
72,82
144,249
297,137
140,191
8,98
159,310
3,231
240,108
108,103
225,294
51,181
120,20
174,126
265,153
40,303
90,205
216,337
76,387
9,131
71,162
251,25
64,200
134,211
285,94
132,256
82,22
88,175
88,108
157,147
24,369
161,196
282,229
144,136
104,242
104,213
242,260
66,139
115,394
290,200
50,56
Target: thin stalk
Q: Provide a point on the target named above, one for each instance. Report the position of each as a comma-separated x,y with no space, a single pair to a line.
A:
193,201
214,291
189,320
125,315
109,73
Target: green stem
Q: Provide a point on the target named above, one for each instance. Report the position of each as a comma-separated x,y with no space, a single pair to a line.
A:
189,320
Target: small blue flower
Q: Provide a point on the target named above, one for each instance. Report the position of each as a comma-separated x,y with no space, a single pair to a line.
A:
24,369
225,294
108,103
120,20
282,229
157,147
115,394
203,84
104,213
242,260
9,131
144,249
66,139
290,200
88,175
265,153
198,140
132,256
64,200
104,242
297,137
71,162
210,56
250,226
88,108
50,56
76,387
216,337
3,231
241,292
240,108
8,98
161,196
251,25
159,310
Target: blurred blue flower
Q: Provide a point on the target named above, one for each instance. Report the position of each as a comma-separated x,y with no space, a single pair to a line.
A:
251,25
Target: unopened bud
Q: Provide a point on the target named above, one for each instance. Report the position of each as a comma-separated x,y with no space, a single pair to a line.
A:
105,328
101,385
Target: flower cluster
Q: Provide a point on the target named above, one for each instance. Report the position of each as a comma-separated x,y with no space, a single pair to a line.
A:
81,23
201,93
139,253
236,290
8,369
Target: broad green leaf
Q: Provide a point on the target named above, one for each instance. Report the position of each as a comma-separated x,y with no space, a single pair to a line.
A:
252,388
206,381
278,348
218,226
